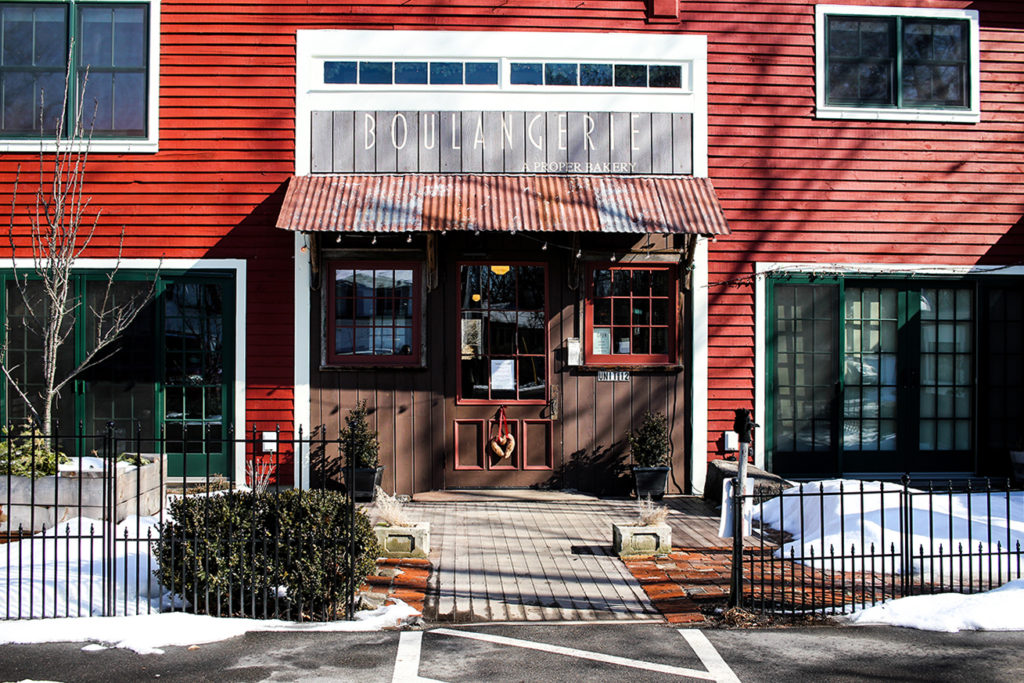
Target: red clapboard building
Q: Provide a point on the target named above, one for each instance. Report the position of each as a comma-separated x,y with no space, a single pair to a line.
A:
540,219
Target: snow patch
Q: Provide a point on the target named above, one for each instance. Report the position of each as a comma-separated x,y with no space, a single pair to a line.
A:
1000,609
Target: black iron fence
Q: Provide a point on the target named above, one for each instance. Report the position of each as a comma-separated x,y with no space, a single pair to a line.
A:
836,546
108,524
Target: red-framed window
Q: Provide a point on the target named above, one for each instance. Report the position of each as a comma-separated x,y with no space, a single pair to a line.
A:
373,312
631,314
502,333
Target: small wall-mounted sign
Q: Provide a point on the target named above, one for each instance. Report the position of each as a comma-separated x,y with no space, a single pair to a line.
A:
612,375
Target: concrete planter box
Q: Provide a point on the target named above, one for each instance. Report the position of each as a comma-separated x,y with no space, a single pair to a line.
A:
54,499
630,539
404,541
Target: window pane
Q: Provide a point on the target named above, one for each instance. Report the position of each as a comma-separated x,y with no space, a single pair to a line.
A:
373,73
411,73
98,101
481,73
130,37
531,333
51,37
340,72
596,74
666,77
603,312
129,110
531,288
17,36
659,340
602,283
446,73
531,378
527,74
560,74
97,38
475,377
631,75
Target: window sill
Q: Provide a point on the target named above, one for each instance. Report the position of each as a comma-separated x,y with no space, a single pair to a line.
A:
357,367
875,114
96,146
668,368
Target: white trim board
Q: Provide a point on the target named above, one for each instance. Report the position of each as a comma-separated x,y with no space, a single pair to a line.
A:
763,269
151,264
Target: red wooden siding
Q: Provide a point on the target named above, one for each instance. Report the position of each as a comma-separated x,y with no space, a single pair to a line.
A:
793,187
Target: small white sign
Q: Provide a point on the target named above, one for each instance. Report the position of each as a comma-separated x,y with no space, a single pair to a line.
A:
269,440
613,376
602,341
503,375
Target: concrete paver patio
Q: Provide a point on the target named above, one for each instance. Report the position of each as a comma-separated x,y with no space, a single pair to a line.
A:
539,556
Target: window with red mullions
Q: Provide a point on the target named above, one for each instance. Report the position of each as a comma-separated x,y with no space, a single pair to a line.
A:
373,313
631,314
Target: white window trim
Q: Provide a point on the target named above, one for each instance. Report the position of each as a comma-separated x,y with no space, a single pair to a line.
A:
764,269
824,111
148,144
236,266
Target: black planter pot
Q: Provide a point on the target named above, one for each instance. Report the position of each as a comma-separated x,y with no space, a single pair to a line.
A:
650,481
367,479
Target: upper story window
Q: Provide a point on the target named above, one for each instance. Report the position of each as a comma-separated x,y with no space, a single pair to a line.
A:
631,315
411,73
373,313
111,87
897,63
597,75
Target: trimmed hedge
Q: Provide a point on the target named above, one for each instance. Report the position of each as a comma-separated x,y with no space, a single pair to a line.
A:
280,555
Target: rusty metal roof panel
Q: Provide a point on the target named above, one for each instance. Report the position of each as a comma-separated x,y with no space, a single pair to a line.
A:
533,203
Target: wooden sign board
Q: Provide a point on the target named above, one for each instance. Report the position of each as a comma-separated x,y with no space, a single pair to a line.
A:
617,143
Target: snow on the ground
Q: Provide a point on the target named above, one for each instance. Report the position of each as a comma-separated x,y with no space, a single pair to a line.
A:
61,573
90,463
149,633
849,521
1000,609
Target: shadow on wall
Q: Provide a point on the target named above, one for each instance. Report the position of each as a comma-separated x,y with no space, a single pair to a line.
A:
603,470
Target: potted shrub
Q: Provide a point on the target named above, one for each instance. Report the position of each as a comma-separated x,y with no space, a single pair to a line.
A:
360,445
649,446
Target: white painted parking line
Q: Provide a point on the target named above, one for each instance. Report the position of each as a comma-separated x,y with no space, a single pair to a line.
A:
407,661
709,656
592,656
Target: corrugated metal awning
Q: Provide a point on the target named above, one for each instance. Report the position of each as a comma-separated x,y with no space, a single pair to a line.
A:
571,203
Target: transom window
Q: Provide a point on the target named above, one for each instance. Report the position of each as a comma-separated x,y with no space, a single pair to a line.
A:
373,313
109,58
631,314
892,60
502,333
591,74
411,73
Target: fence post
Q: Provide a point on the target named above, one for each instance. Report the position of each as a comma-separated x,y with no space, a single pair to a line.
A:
109,524
736,584
906,536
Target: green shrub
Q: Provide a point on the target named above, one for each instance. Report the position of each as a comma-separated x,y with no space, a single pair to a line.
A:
274,554
650,443
26,452
357,441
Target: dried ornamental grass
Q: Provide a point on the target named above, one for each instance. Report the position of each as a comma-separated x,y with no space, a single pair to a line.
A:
389,510
650,515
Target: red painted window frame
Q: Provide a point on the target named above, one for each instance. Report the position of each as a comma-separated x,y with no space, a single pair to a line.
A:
614,359
413,359
459,400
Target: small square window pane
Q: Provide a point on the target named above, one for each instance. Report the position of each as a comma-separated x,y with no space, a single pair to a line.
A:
446,73
339,72
129,108
877,37
383,341
641,340
641,282
527,74
560,74
603,312
843,38
403,341
411,73
363,343
666,76
659,312
96,40
51,37
602,283
620,312
130,37
596,74
481,73
531,378
343,341
659,340
375,73
630,76
660,283
98,102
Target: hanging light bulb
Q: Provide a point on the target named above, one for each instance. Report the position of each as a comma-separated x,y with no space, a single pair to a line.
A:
374,240
613,258
408,240
544,247
337,239
579,253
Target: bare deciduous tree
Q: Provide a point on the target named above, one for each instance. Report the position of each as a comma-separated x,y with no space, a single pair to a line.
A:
61,229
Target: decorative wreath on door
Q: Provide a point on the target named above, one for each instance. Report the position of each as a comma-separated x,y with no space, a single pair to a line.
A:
503,444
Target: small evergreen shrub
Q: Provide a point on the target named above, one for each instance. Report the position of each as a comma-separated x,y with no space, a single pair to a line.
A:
650,443
358,442
265,554
27,452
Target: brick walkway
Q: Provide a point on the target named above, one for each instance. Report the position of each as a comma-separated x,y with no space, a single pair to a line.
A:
680,583
405,580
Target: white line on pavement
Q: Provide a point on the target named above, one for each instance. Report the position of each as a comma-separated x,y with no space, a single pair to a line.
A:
580,654
709,656
407,661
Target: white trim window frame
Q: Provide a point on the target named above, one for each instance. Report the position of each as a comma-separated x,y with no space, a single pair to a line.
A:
149,143
969,114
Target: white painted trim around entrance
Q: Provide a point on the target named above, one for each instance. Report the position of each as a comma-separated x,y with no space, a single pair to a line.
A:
699,395
302,320
764,269
152,264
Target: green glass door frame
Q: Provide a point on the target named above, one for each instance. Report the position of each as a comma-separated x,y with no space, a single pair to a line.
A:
908,361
